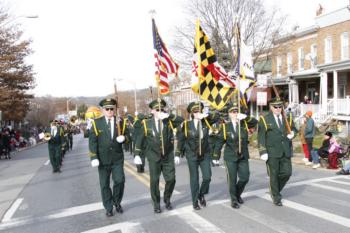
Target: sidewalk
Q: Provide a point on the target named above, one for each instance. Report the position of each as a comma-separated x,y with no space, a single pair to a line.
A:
297,159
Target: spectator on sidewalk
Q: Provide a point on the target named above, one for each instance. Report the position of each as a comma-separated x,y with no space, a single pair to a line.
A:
309,134
303,140
329,146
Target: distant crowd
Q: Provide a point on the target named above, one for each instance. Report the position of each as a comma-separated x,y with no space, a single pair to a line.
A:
14,139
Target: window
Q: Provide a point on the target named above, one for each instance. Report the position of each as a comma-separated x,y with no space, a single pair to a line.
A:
342,86
328,50
344,40
289,63
313,55
278,66
301,58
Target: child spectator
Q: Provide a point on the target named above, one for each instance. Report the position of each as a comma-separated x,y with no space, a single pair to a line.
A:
329,148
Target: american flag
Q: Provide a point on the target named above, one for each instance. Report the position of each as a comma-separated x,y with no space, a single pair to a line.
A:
165,65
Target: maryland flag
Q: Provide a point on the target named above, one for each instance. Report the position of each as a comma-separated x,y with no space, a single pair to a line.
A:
212,84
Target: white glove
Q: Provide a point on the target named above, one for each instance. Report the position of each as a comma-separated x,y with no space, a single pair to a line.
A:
177,160
264,157
137,160
291,135
95,163
136,113
163,115
241,116
216,162
120,138
204,115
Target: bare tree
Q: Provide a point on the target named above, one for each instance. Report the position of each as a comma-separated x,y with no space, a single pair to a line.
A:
259,27
16,76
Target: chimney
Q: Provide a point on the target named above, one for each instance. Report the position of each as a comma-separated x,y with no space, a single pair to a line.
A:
319,10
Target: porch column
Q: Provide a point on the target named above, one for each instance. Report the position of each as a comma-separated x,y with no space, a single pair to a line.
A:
295,91
335,91
324,92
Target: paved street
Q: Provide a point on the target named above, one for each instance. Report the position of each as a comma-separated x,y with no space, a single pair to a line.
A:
33,199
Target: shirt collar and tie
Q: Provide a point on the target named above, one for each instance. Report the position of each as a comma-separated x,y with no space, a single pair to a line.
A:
278,120
110,123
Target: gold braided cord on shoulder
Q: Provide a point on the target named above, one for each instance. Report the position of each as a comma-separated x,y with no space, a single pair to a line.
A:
95,128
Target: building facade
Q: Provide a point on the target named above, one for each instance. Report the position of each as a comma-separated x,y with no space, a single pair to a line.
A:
314,63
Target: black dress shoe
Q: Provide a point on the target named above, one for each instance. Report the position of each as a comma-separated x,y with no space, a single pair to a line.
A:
109,213
235,205
240,200
157,210
119,208
196,207
202,201
168,205
278,203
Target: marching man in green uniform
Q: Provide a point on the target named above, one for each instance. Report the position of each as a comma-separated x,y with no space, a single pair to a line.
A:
54,143
106,153
274,147
193,142
137,132
157,134
236,162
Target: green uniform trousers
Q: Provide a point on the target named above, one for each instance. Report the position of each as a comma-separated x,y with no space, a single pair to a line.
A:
279,170
108,197
204,165
55,156
234,169
166,166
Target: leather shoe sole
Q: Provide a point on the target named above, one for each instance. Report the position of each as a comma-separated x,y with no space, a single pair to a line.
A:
278,203
235,205
202,201
109,213
119,209
240,200
157,211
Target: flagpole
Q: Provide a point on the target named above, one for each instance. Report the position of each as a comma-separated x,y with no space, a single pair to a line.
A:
116,107
238,37
152,12
199,71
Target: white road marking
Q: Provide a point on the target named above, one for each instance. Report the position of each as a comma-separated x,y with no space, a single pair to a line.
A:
331,188
10,212
98,206
313,211
269,222
197,222
340,182
124,227
47,162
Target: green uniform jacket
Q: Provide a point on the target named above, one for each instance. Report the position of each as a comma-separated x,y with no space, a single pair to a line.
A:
272,139
188,138
149,139
231,148
56,140
101,145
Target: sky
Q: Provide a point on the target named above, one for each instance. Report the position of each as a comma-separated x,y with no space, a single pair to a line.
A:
82,46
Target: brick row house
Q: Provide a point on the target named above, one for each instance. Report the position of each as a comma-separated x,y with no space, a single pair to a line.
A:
316,61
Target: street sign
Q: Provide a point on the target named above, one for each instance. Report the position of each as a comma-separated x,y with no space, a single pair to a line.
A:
261,98
261,80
